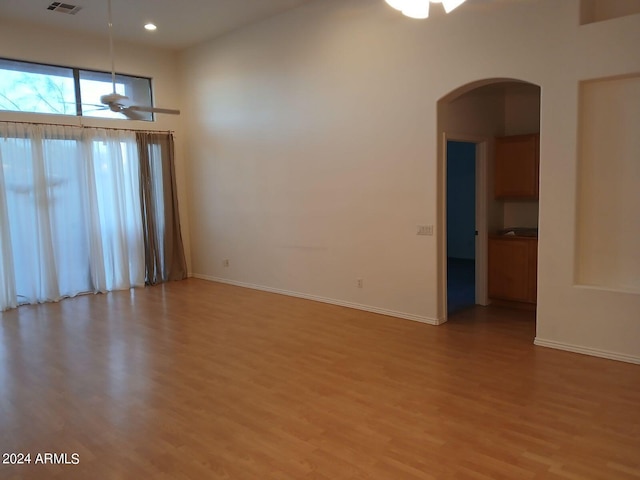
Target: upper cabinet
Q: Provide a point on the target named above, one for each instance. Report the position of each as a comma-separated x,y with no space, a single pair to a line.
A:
517,166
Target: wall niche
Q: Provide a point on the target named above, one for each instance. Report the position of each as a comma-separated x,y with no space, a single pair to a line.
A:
592,11
608,224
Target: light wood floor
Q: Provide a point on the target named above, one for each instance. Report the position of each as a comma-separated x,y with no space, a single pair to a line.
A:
198,380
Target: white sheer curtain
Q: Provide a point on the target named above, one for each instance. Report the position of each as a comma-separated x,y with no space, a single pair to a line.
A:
7,276
69,212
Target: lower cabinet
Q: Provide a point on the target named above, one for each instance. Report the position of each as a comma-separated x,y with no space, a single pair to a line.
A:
513,268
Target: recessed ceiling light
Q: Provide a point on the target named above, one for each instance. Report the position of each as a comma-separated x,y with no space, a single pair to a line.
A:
150,26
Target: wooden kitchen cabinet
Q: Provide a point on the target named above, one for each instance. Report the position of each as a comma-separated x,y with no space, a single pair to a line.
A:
517,167
513,268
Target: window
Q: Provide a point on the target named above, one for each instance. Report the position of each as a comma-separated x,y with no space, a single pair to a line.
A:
37,88
29,87
95,84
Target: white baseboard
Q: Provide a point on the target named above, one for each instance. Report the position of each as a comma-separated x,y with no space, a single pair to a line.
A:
315,298
594,352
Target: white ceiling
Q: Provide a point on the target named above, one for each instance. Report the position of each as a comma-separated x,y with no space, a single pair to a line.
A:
181,23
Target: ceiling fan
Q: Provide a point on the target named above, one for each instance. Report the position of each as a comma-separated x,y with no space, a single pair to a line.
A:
120,103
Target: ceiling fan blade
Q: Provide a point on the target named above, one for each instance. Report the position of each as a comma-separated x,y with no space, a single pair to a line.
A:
450,5
131,114
141,108
95,108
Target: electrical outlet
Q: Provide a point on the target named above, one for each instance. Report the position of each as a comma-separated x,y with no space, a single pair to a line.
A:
225,263
359,283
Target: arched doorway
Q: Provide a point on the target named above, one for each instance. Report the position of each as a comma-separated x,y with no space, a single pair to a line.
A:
477,113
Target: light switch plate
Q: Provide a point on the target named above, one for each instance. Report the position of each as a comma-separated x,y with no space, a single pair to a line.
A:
425,230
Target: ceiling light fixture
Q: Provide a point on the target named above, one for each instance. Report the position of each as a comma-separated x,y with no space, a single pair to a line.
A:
420,8
150,26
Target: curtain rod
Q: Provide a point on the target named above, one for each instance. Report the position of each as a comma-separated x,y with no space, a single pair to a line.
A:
87,126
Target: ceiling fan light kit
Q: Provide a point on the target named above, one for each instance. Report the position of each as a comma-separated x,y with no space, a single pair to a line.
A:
420,8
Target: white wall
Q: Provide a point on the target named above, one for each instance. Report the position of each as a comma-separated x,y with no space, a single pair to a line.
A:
522,110
314,152
20,41
595,320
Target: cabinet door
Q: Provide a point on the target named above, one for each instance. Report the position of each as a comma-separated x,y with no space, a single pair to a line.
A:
509,269
516,168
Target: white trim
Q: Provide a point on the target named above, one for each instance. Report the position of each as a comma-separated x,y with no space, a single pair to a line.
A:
627,291
482,223
443,313
315,298
594,352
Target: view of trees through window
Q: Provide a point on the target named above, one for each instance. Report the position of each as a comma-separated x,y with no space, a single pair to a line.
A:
42,90
36,88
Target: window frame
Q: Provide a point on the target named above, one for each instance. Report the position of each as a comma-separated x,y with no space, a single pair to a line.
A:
76,76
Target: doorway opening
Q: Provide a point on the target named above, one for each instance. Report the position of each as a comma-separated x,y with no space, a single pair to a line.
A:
461,225
470,119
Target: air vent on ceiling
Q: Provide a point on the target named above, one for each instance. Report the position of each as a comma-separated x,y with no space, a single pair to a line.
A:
64,8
